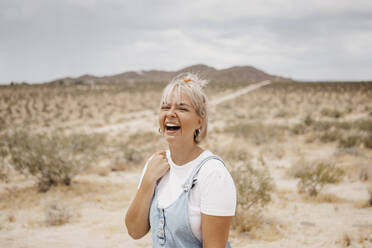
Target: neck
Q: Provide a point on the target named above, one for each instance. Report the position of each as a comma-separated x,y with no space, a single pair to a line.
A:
184,153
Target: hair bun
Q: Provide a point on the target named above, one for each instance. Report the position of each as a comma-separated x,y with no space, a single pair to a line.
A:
190,78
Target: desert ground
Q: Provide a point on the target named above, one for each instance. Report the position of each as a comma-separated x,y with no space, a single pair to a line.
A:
300,155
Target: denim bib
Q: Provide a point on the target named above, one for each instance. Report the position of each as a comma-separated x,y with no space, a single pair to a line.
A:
170,226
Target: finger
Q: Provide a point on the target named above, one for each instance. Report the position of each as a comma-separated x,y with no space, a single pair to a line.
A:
162,153
158,152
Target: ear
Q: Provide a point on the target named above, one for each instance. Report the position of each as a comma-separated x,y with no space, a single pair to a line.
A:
200,122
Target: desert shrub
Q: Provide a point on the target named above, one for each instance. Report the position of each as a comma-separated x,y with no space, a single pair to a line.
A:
3,167
348,141
314,176
367,140
333,125
324,198
346,134
138,145
125,158
254,187
131,151
364,128
52,159
273,151
370,196
330,136
234,152
281,113
102,171
142,138
331,113
256,133
57,214
353,140
362,237
351,151
2,123
133,156
365,173
298,129
363,125
3,172
346,240
308,121
83,143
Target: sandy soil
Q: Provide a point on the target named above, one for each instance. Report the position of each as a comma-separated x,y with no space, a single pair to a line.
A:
95,204
97,219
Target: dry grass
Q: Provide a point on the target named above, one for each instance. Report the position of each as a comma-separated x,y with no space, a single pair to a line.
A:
254,187
260,228
57,213
362,204
360,238
102,171
346,240
365,172
255,133
315,175
54,106
324,198
52,159
80,191
281,121
235,151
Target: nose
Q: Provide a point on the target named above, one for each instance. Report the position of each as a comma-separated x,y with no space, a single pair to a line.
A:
171,112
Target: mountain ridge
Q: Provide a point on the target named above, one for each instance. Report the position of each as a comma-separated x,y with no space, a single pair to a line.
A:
228,75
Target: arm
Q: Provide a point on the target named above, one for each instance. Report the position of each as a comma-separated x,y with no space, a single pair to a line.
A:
218,203
215,230
137,216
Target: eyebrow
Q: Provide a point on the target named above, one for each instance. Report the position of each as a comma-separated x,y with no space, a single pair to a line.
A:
181,104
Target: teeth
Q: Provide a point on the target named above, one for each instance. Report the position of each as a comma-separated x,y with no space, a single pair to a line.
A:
171,125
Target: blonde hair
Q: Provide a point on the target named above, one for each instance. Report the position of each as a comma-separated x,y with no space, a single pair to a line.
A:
192,85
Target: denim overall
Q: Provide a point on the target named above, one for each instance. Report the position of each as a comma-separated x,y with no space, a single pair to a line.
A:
170,227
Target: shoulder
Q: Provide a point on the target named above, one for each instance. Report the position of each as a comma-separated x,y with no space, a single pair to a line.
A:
213,162
216,188
213,166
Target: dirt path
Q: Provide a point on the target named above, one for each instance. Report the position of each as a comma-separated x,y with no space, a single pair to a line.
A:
147,119
239,92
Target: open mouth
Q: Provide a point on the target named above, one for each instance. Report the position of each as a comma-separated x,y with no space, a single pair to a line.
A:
172,127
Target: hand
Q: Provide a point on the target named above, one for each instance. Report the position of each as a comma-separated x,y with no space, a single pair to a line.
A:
157,167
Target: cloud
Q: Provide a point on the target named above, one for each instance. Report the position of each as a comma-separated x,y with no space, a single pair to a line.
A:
43,40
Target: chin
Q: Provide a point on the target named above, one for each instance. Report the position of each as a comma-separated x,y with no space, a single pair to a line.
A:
171,140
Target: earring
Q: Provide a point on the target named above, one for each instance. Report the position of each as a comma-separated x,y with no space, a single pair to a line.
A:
159,130
197,132
196,135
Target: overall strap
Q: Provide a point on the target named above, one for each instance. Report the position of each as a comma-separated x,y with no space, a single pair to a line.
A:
191,181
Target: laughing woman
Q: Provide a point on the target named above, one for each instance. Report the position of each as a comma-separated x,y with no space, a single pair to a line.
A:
186,196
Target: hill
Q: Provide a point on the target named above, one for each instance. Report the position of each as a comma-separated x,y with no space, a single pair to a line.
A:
230,75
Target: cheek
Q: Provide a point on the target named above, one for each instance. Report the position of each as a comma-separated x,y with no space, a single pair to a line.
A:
190,122
161,119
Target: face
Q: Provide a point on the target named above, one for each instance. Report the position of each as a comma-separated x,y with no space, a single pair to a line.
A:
179,120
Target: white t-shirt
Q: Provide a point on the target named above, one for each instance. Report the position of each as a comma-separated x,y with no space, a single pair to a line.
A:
214,193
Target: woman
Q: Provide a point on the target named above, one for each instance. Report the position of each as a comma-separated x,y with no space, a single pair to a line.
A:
186,195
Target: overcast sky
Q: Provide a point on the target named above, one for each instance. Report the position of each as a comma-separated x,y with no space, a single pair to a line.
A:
42,40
